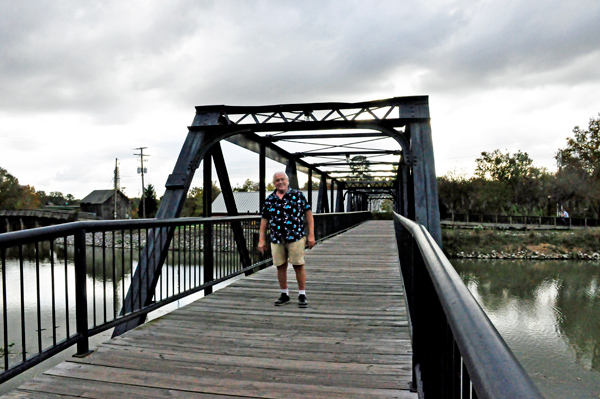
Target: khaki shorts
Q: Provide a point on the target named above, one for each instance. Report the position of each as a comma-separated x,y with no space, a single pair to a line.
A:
292,251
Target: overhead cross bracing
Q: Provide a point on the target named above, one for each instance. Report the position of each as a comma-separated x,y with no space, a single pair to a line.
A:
284,120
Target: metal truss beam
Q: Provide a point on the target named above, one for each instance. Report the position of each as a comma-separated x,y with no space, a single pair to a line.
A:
344,153
348,170
370,184
346,136
406,108
340,163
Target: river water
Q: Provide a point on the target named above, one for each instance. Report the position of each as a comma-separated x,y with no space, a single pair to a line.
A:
548,312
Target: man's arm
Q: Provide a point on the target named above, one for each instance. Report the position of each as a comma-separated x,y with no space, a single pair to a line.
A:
310,225
262,238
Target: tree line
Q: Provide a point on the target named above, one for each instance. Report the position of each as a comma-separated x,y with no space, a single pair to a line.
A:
511,184
13,195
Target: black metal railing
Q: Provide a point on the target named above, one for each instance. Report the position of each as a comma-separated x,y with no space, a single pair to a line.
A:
561,222
63,284
457,352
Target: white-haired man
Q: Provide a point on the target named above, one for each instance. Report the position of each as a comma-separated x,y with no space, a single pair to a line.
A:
284,212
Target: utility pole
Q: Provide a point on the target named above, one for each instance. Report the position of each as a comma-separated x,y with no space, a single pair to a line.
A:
142,170
116,188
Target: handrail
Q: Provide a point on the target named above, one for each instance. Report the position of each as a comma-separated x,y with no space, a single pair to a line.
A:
108,260
455,344
495,219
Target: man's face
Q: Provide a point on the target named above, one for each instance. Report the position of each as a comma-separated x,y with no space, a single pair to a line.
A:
281,182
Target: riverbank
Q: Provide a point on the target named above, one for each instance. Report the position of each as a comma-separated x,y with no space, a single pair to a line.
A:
582,244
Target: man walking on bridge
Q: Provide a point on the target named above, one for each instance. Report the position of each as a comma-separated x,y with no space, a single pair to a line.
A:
284,212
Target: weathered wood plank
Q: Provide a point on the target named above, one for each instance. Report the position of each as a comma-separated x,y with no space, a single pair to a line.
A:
352,341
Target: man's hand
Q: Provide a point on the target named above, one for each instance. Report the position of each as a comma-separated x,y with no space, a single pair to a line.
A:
262,241
262,246
310,241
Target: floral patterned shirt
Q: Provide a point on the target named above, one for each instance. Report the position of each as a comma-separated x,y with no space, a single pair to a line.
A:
286,215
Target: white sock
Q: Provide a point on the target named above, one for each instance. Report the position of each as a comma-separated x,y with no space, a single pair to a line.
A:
301,292
286,291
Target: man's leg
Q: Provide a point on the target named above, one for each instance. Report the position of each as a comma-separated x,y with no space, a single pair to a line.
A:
300,277
296,252
282,276
280,257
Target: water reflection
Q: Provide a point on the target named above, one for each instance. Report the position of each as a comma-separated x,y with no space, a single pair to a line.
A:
549,314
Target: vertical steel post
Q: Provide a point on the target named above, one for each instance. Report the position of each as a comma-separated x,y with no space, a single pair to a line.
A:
208,227
322,205
427,210
292,173
339,204
262,172
331,200
309,186
83,343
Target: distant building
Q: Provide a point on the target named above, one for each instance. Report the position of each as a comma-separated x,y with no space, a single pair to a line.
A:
101,203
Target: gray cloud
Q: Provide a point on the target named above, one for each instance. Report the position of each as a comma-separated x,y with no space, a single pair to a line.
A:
117,64
101,57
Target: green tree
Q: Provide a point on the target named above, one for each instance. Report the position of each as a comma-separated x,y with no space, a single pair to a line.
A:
56,198
360,167
520,183
150,201
194,203
578,176
453,193
582,151
248,185
315,185
15,196
503,166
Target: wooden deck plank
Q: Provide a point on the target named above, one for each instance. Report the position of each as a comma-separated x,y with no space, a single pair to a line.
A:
351,342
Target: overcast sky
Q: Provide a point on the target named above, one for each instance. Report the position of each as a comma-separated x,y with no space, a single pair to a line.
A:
85,82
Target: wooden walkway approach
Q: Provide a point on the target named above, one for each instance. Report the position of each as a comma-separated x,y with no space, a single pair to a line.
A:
351,342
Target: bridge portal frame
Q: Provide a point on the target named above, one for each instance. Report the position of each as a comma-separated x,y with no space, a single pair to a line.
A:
413,183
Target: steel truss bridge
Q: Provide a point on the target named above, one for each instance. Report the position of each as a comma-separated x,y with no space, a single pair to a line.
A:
392,135
395,133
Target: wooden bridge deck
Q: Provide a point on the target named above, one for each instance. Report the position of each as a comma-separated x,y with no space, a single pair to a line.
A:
351,342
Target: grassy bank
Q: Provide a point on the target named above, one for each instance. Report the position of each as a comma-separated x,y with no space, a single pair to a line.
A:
571,244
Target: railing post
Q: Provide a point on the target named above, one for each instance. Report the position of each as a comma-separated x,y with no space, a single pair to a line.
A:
83,343
208,256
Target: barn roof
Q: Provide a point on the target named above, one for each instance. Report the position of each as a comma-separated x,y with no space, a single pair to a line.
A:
99,196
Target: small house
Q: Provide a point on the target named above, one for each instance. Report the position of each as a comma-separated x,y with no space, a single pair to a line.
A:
101,203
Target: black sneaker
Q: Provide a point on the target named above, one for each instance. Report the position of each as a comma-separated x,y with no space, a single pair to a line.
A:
302,301
284,299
